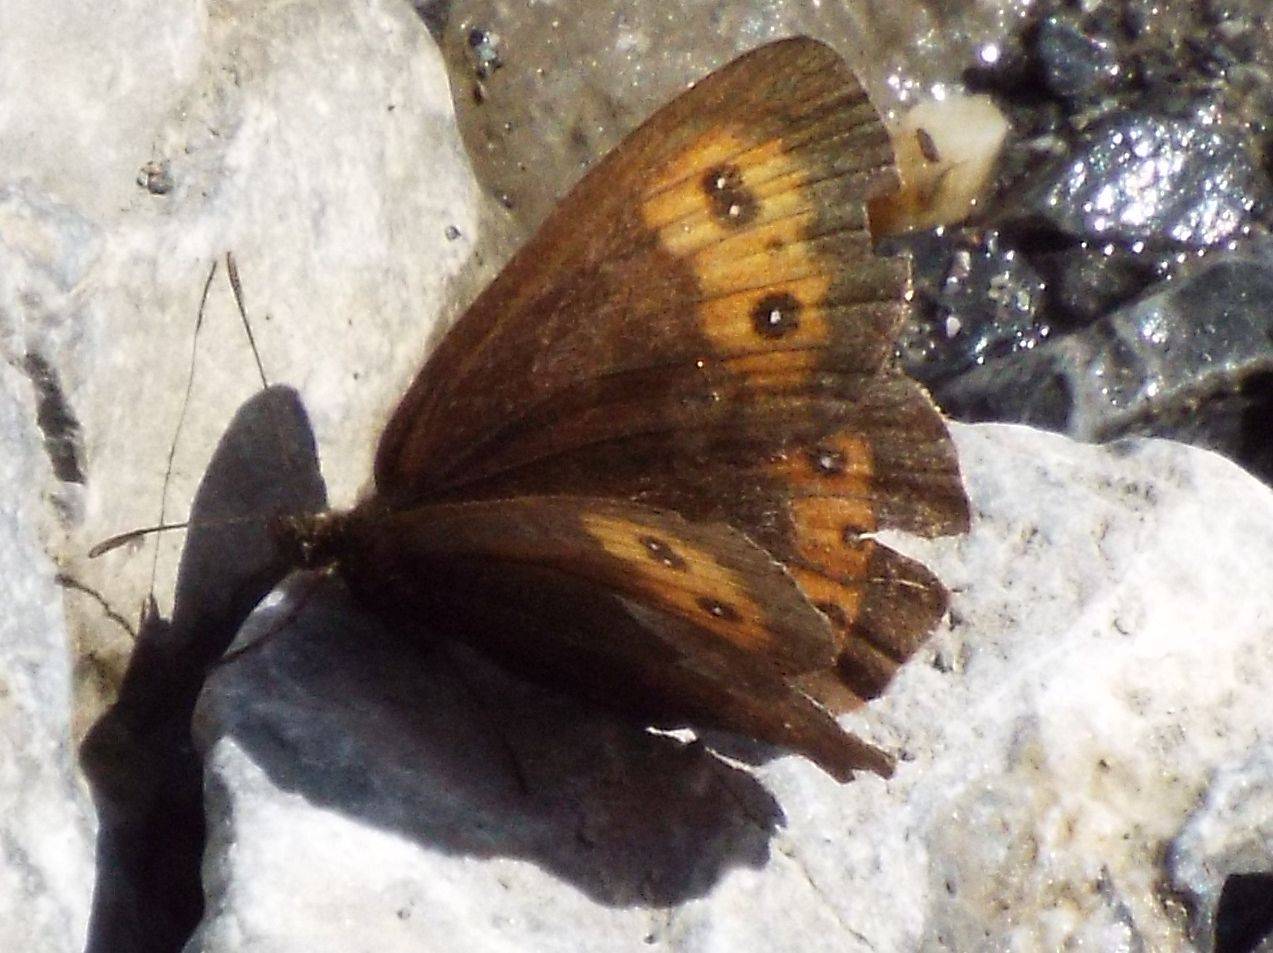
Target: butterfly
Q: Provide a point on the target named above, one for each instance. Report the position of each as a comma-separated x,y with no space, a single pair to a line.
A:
646,466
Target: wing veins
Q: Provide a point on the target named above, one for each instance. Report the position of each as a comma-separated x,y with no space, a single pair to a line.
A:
800,185
806,131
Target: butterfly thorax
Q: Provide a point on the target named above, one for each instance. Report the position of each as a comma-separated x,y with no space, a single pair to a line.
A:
312,541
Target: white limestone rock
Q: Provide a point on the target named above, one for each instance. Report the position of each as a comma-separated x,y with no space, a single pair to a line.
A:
46,820
317,143
137,146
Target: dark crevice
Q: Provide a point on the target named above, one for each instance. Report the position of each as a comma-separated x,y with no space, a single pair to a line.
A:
434,14
69,582
62,440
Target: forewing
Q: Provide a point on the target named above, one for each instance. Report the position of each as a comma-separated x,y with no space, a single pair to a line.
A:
724,243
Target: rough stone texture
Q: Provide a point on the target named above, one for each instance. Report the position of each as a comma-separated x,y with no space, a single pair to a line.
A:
1226,838
1154,364
46,821
363,798
1148,179
1102,688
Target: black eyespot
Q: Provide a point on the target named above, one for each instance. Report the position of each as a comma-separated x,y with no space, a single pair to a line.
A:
827,460
662,553
776,315
718,609
731,202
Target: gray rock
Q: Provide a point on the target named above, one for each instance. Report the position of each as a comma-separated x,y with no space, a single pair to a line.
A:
1151,364
975,303
1076,63
1150,179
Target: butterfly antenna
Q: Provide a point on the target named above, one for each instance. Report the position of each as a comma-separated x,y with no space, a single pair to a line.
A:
286,447
232,268
122,538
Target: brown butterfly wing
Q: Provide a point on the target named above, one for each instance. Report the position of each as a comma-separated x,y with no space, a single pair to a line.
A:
638,294
702,327
677,622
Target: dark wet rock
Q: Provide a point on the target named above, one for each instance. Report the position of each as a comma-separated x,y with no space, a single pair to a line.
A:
1075,62
1133,201
1190,361
1084,282
976,300
1144,178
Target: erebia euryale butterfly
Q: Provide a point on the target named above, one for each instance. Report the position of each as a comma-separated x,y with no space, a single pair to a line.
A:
646,466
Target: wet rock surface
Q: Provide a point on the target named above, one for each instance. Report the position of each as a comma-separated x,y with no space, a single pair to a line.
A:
1117,280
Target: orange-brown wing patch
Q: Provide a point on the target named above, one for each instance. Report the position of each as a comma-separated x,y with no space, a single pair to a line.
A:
684,579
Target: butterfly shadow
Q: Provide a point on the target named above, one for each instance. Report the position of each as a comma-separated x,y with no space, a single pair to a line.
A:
145,776
443,748
431,743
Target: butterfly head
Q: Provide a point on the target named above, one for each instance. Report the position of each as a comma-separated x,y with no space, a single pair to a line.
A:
311,540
